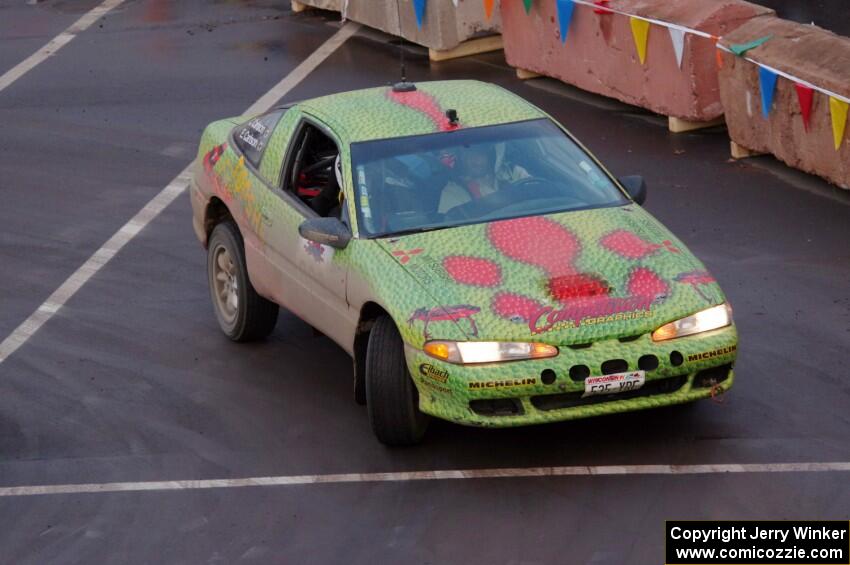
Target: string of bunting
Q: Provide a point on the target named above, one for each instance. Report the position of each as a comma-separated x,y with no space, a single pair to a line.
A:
640,26
838,104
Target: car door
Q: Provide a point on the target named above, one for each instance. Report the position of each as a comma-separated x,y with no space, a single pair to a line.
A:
307,278
260,144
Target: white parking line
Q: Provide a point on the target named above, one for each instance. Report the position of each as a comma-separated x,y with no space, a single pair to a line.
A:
57,42
159,202
403,476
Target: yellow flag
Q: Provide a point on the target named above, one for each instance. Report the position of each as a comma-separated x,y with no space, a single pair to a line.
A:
640,31
838,111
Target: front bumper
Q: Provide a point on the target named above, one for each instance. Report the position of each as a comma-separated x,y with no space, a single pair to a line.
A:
515,394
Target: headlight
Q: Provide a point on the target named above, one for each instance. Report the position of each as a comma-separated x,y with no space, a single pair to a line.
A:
703,321
467,352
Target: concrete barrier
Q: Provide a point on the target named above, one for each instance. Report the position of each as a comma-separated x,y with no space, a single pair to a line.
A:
806,52
600,54
447,31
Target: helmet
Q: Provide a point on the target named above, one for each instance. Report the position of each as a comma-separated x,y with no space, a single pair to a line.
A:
338,170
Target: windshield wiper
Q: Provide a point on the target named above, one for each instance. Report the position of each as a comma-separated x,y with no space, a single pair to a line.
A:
412,230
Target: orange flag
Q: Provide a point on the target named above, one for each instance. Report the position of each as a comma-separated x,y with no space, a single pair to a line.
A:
718,54
488,8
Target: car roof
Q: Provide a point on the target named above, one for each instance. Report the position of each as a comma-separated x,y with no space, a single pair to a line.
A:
381,113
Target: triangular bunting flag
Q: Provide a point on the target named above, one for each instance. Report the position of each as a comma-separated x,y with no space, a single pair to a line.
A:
804,97
488,8
767,81
838,111
740,48
419,8
602,7
565,16
677,36
640,31
718,54
527,4
455,3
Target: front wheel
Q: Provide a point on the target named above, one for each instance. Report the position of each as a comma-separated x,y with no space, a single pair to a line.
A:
391,397
242,314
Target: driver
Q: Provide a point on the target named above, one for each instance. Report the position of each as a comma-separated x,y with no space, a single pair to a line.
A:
478,177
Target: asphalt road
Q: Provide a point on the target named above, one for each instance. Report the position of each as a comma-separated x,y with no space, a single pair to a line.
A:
132,380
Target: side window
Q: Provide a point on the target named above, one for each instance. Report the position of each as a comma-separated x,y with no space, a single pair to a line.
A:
253,136
311,171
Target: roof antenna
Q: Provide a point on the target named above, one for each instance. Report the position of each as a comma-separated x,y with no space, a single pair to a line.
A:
403,85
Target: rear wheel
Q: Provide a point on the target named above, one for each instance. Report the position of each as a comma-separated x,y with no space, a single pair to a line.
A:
242,314
391,397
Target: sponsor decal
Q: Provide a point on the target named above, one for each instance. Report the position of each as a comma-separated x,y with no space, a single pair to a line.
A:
549,319
404,255
212,156
432,372
705,355
315,251
428,270
248,137
618,317
255,134
507,383
542,318
435,386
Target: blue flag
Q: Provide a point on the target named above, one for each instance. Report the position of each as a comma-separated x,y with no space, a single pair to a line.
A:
419,7
565,16
767,81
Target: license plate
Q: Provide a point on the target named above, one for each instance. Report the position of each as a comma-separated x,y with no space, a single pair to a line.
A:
614,383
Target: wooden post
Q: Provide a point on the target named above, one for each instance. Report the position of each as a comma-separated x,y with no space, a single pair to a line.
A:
524,74
678,125
471,47
741,152
299,6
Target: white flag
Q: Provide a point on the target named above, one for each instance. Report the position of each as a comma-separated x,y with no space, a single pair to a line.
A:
677,36
455,3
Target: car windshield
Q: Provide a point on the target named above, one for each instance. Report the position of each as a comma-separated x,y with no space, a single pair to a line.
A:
466,176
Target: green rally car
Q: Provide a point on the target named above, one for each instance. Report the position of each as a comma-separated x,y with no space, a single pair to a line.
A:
474,259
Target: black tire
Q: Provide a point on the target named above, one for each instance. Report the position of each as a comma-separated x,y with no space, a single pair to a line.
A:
252,317
391,397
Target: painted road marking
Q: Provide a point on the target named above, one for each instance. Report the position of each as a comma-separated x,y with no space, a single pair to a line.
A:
159,202
404,476
57,42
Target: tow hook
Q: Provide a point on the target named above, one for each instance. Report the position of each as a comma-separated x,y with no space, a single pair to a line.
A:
717,391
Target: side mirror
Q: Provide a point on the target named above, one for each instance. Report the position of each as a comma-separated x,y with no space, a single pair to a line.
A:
327,231
635,186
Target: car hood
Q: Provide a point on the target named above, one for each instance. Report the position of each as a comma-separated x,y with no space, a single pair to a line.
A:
566,278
